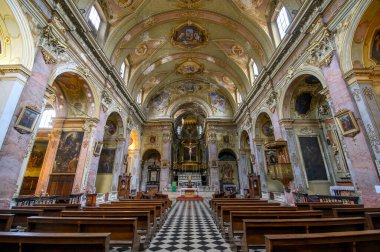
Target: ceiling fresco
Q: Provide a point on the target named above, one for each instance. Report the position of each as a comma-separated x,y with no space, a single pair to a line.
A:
172,43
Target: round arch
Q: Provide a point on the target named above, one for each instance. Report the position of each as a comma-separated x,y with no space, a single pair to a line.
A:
174,107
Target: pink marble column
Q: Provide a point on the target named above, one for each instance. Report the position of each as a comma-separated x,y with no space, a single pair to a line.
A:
363,170
213,161
16,145
165,160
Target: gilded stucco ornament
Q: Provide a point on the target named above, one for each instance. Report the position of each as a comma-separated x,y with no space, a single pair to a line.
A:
106,101
271,101
52,49
322,51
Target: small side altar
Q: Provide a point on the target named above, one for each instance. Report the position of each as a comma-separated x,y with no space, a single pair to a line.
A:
189,192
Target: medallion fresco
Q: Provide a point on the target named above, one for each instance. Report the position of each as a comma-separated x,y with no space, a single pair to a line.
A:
189,67
189,36
218,101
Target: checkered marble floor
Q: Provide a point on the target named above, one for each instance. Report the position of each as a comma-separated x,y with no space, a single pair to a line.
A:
189,227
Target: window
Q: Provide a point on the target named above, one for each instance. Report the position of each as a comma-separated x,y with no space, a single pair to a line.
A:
254,70
94,18
122,70
238,97
46,120
282,22
139,97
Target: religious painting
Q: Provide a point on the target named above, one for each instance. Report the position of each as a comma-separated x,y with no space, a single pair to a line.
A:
189,87
37,156
218,101
27,120
189,153
227,171
375,48
267,129
347,123
152,139
106,160
98,148
312,158
160,101
303,102
111,127
69,147
271,157
226,139
189,36
189,67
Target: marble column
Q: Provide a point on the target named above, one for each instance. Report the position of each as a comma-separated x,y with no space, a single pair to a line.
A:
166,159
214,174
369,108
243,166
260,164
16,147
363,170
135,169
12,83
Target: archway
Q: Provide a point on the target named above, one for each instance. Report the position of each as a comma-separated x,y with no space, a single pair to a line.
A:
151,170
313,142
228,170
111,155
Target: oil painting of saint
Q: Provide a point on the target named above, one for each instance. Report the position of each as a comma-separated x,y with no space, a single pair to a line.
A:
375,52
189,36
67,157
106,161
218,101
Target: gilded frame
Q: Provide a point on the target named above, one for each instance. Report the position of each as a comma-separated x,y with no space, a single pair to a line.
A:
347,123
27,119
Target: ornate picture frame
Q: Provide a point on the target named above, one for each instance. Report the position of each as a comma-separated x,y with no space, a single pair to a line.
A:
347,123
27,120
98,148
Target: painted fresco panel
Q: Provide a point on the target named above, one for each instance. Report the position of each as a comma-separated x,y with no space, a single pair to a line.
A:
66,160
313,159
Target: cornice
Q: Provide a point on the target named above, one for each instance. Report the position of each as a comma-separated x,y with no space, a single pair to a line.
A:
14,69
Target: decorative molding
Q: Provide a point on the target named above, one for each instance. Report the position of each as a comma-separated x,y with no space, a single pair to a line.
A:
356,94
373,138
211,137
52,49
271,101
368,92
307,131
106,101
19,69
321,51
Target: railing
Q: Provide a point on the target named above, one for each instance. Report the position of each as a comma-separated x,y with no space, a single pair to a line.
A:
348,200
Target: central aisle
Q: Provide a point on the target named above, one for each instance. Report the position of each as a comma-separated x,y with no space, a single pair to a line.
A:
189,227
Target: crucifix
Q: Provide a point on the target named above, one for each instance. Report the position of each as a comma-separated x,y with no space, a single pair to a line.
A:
190,148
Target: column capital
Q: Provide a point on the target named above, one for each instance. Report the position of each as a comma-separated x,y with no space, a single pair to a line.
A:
360,75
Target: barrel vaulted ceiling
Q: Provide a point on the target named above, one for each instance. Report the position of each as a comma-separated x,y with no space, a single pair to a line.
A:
188,51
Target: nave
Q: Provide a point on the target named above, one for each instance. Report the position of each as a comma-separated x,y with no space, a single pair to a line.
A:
189,227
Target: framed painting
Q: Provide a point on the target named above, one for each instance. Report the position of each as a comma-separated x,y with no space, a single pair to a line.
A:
375,48
347,123
107,158
27,120
98,148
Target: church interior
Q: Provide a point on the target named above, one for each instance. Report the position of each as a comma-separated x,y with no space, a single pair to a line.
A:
189,125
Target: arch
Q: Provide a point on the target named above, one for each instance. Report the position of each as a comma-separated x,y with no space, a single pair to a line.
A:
244,144
115,125
263,117
228,154
89,79
348,36
19,49
151,153
205,106
309,70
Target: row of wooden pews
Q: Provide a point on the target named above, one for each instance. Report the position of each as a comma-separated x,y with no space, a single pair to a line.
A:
131,223
248,223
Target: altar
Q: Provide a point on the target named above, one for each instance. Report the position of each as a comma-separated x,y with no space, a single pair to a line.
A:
189,192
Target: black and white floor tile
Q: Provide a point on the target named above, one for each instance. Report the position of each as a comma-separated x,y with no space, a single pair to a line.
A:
189,227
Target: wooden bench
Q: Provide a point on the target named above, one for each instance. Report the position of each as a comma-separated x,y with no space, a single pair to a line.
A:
160,206
224,213
219,206
359,241
353,212
48,242
328,209
254,230
70,207
6,221
48,210
238,201
143,219
236,228
21,215
123,230
373,220
151,209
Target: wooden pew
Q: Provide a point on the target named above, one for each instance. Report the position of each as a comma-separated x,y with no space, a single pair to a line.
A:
359,241
238,201
6,221
224,213
373,220
160,206
143,219
236,228
69,207
254,230
218,206
48,242
21,215
165,203
151,209
352,212
123,230
328,209
48,210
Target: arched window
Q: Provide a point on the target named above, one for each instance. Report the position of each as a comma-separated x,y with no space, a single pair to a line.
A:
122,70
254,70
239,98
46,119
139,97
94,18
282,22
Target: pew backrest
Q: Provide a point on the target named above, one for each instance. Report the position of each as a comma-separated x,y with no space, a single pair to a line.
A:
6,221
373,220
